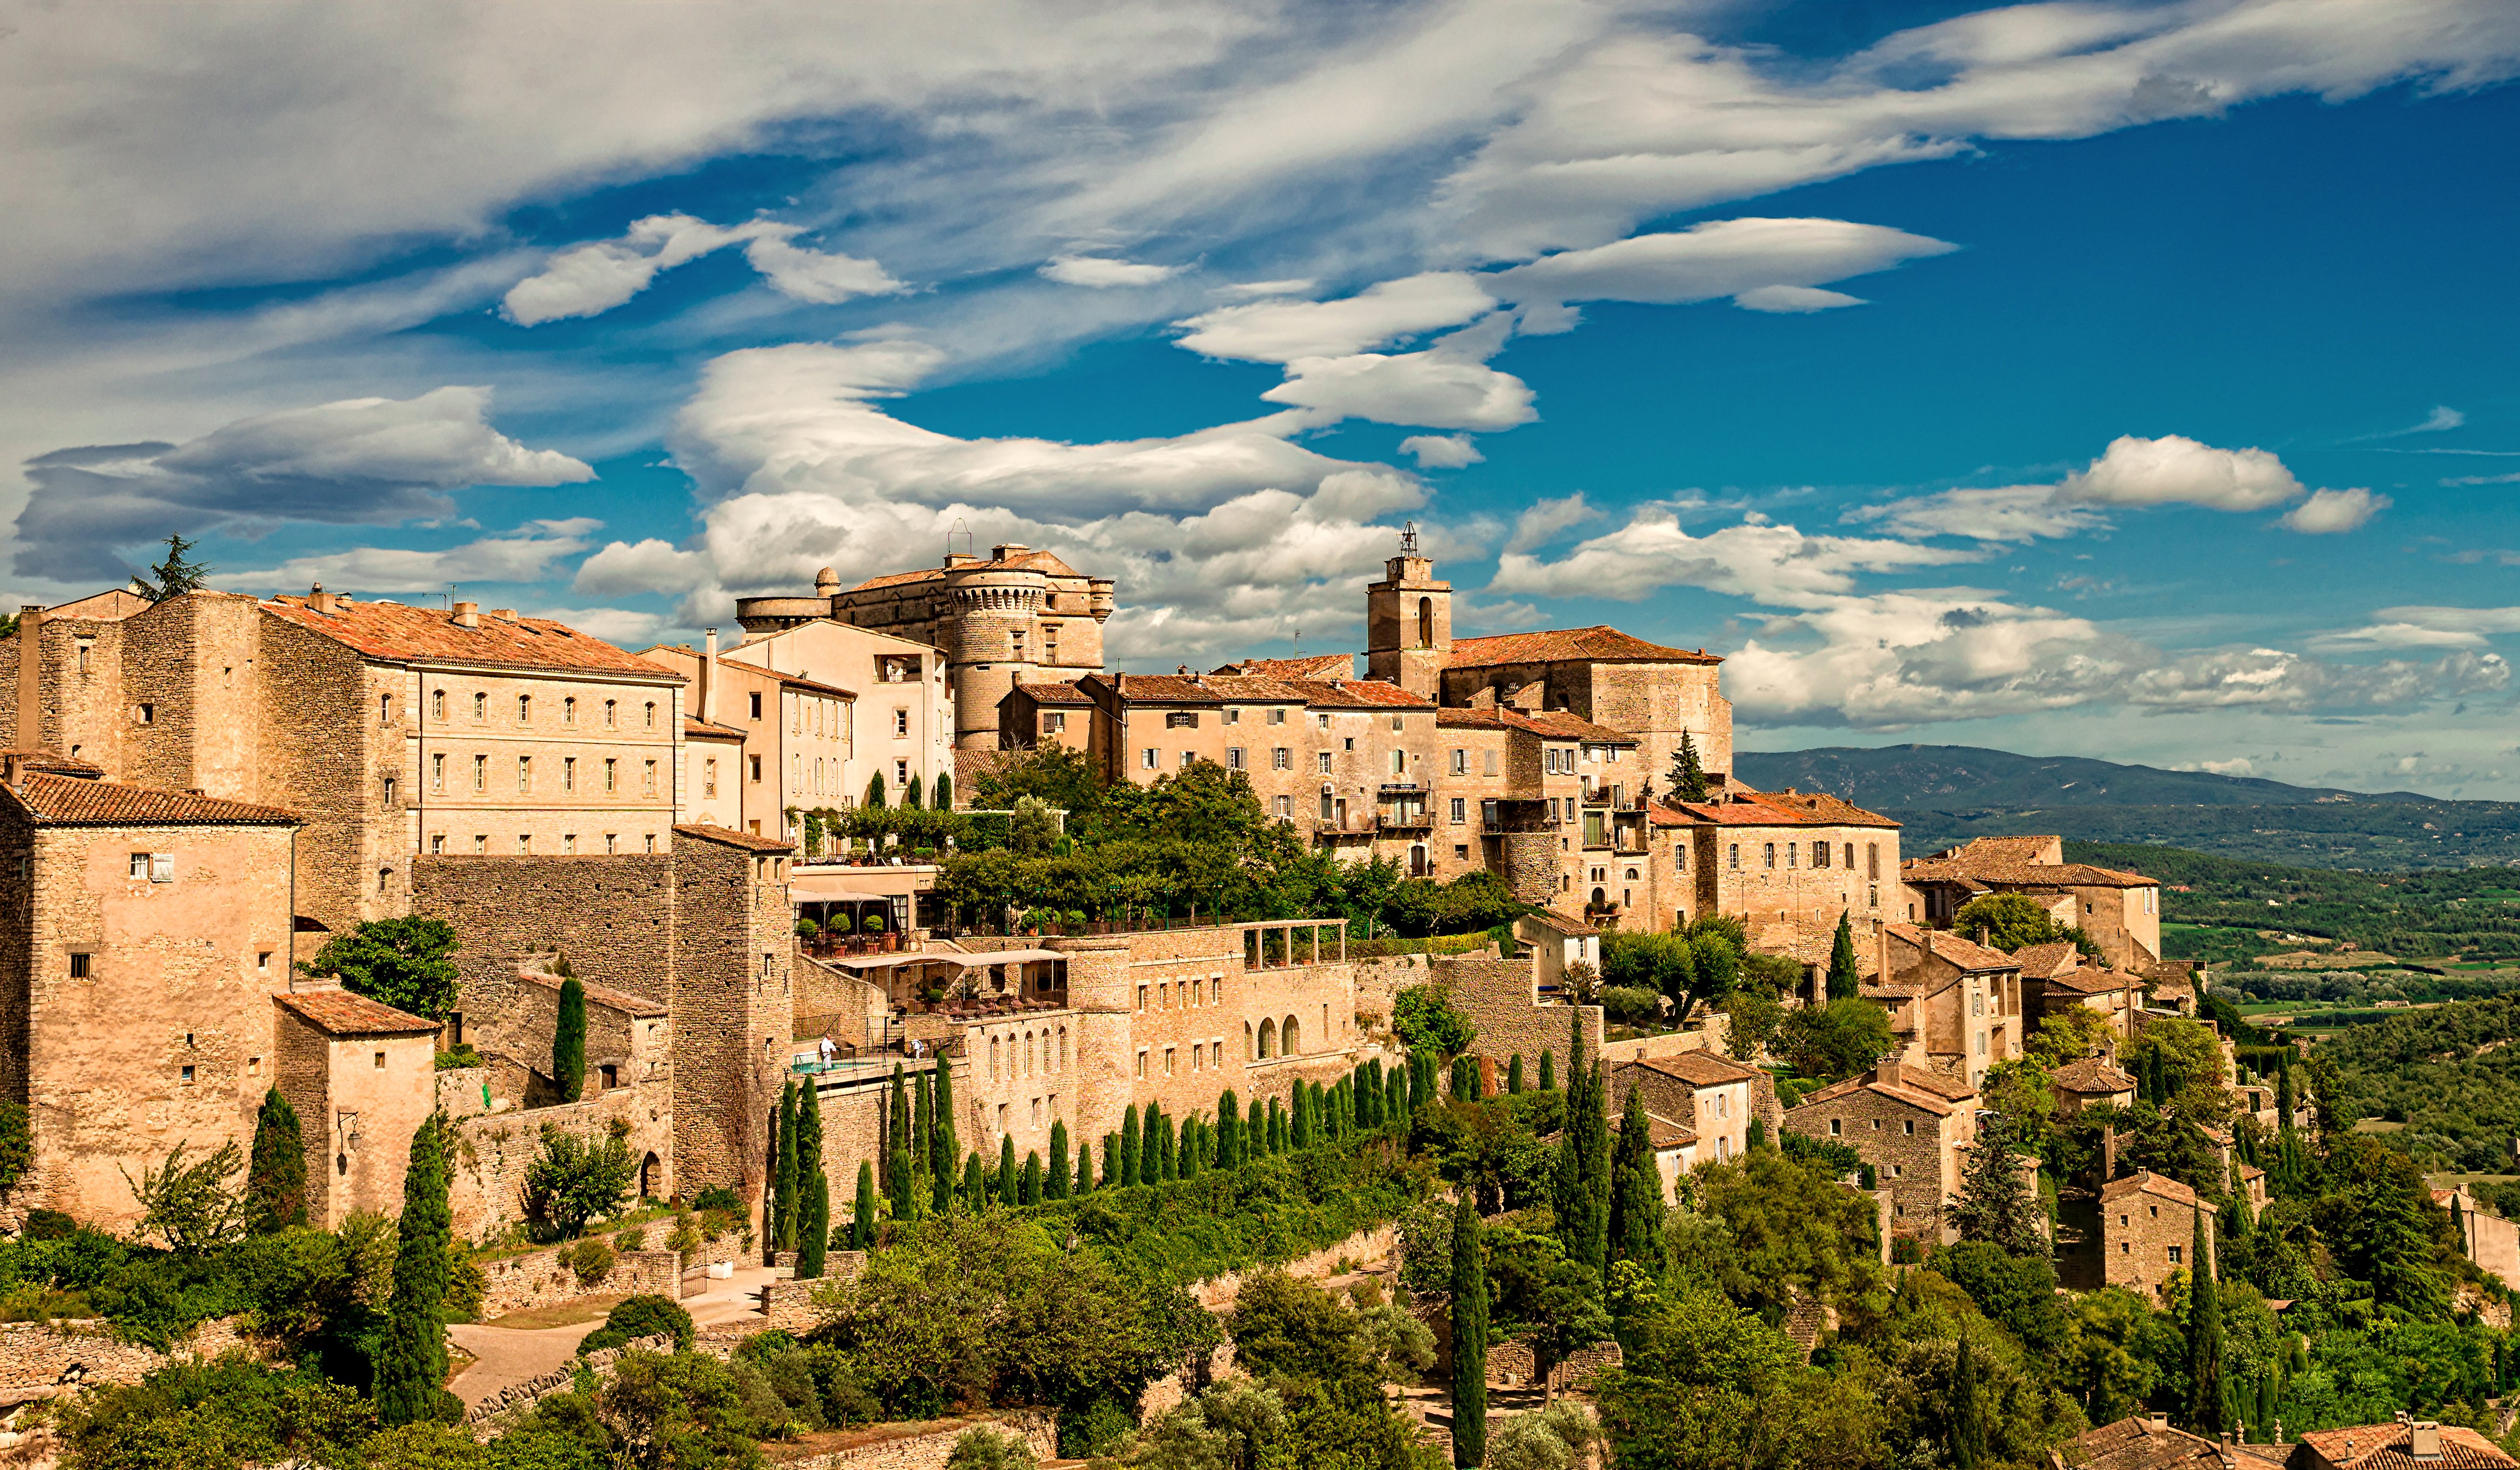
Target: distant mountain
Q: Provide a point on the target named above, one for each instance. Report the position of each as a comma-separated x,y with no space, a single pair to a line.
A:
1953,778
1943,795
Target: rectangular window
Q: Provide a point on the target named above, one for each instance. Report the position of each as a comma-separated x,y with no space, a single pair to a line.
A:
901,774
1872,861
82,967
1820,855
524,774
569,774
390,792
1054,722
438,704
1461,763
1276,717
1181,719
384,710
1281,759
1285,807
708,777
1234,758
525,708
1189,756
652,714
1147,759
612,842
1168,1060
1324,719
1489,767
437,844
756,769
481,708
1460,810
569,710
649,780
901,724
612,714
1233,717
524,843
480,773
1142,1062
1400,763
1326,763
613,774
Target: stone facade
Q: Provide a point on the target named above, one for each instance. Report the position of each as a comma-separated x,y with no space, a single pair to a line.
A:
41,1359
362,1079
1954,1004
538,1279
1503,998
2120,910
486,1171
148,933
1911,1126
2147,1228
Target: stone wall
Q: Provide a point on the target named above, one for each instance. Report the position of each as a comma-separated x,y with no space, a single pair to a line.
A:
40,1358
485,1189
929,1449
789,1306
1497,994
465,1092
513,1401
1910,1148
539,1278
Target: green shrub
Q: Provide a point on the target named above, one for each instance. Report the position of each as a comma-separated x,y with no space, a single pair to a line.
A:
718,1197
1630,1007
641,1316
590,1261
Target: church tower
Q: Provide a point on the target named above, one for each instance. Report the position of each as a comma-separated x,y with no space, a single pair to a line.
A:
1408,622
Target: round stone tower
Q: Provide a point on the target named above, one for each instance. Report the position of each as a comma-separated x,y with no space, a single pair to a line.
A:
990,623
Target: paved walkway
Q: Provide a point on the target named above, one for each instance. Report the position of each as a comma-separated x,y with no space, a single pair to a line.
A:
734,1299
506,1356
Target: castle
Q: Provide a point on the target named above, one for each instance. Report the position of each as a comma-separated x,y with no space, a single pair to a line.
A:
199,792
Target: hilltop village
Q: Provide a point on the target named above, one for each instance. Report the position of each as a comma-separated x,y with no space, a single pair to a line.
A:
674,890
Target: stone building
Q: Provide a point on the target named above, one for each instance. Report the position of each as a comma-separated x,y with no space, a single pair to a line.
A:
393,731
148,933
1789,863
1911,1125
2148,1443
2091,1082
1712,1096
1019,615
906,705
2409,1443
2121,911
2148,1229
793,740
1954,1004
362,1077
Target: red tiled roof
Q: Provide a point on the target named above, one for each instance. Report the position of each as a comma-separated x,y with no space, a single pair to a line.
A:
733,838
1315,666
1057,692
1357,693
791,681
1548,724
1550,918
1826,808
2146,1181
2016,861
2042,962
399,634
339,1012
2091,980
1661,1132
1155,689
75,801
1253,689
699,729
1917,1087
1703,1069
1599,643
2140,1444
1967,954
2386,1446
600,994
2089,1074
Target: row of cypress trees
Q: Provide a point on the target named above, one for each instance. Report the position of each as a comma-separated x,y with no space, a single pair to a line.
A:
797,1215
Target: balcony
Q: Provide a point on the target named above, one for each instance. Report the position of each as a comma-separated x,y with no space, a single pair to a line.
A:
1406,822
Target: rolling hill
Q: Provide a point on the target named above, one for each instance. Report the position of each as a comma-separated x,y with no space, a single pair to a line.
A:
1947,794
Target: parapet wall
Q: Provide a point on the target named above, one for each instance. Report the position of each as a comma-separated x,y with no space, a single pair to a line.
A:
542,1277
485,1189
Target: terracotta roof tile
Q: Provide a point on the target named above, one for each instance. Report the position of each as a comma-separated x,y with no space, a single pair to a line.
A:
2146,1181
1313,666
1661,1132
2091,980
1828,809
1967,954
2089,1074
2016,861
1357,693
791,681
600,994
2138,1445
1056,692
1040,562
1552,724
339,1012
1599,643
733,838
705,730
2386,1446
2040,962
74,801
392,632
1254,689
1550,918
1703,1069
1155,689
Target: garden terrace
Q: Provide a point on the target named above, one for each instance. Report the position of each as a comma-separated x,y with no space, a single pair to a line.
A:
1281,944
952,983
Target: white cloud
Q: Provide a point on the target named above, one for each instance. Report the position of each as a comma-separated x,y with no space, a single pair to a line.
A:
525,556
618,626
1794,299
1281,332
1102,272
2441,417
1435,389
2425,627
1442,451
2176,469
1546,518
1767,264
2012,514
1298,285
2329,511
2238,765
589,280
360,459
1775,564
648,566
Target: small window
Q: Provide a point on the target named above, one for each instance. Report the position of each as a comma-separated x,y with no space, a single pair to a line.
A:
438,704
652,714
1234,758
253,1066
1326,763
263,961
1908,1126
901,724
1231,717
1833,1129
1148,759
1770,855
2174,1250
380,1058
1181,719
146,714
1054,722
1732,856
1281,759
756,769
188,1082
525,708
612,773
82,965
650,780
1460,810
480,707
613,712
1395,725
1276,717
569,710
480,773
437,844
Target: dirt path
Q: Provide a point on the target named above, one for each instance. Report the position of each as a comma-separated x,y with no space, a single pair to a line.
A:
505,1355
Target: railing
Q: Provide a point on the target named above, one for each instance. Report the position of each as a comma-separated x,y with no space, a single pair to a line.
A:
1406,822
835,945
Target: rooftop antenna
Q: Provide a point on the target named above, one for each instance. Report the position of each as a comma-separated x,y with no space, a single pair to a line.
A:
1409,538
963,532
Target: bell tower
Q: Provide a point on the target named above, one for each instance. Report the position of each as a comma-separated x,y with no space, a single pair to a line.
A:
1408,622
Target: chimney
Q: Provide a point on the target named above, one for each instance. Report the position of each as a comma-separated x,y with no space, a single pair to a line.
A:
1886,1070
509,613
2423,1440
468,615
320,600
2156,1423
1011,551
30,681
709,677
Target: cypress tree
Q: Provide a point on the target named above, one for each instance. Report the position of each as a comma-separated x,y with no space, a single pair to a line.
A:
1028,1192
1968,1430
1635,1196
1514,1075
782,1230
862,1212
1167,1147
275,1185
1299,1127
975,1183
1084,1168
411,1367
1277,1127
814,1207
1110,1170
1548,1071
1583,1176
1255,1133
1843,982
1193,1146
905,1205
946,1141
923,1133
2266,1406
942,796
2209,1407
1010,1187
569,1041
1229,1131
1129,1146
1470,1337
896,1129
1055,1187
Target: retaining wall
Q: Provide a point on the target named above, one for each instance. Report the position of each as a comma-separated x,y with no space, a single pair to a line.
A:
930,1449
539,1277
517,1398
38,1360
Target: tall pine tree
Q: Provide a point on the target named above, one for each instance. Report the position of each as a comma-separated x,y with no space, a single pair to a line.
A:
1687,773
1470,1337
1843,982
569,1041
1994,1203
2209,1393
275,1184
411,1367
814,1201
1635,1190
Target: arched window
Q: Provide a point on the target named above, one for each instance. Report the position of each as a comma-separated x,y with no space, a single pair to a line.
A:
1426,622
1733,856
1268,1039
1247,1053
1288,1044
1599,898
993,1057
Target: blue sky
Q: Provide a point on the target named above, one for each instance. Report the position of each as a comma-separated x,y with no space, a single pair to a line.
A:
2127,381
